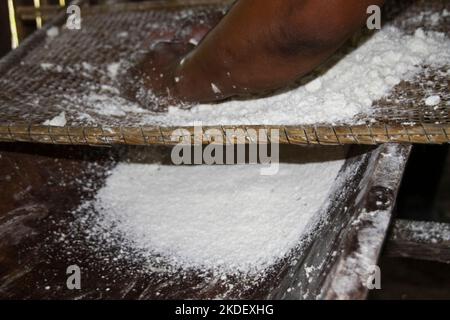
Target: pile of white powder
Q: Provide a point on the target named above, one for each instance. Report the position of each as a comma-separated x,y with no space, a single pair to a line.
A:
223,218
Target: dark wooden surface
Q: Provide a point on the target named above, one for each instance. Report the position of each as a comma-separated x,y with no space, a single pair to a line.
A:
419,240
412,279
360,243
41,185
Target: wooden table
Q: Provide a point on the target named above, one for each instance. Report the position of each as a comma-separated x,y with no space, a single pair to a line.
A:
42,184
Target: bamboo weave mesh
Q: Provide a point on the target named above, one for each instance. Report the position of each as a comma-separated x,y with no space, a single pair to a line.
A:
29,96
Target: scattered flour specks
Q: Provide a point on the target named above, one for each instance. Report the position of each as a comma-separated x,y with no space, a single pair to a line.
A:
51,67
53,32
215,89
113,69
433,101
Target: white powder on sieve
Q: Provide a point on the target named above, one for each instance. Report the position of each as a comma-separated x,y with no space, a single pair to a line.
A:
338,94
432,101
108,106
226,218
343,90
58,121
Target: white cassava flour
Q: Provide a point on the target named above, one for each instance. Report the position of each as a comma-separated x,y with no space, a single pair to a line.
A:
342,90
226,218
334,94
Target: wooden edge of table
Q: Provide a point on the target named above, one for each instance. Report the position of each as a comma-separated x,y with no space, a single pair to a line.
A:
422,240
360,244
359,212
373,134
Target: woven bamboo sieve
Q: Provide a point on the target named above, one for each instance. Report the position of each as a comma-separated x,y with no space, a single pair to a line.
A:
29,96
321,135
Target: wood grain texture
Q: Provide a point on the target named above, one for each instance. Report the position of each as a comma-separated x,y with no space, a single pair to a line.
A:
42,185
419,240
360,245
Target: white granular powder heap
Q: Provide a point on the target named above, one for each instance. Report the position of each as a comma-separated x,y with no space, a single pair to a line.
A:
226,218
337,94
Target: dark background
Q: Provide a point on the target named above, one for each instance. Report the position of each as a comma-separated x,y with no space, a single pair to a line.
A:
5,39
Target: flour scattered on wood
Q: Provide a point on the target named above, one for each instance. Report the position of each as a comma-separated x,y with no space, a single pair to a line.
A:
193,41
225,218
421,231
215,89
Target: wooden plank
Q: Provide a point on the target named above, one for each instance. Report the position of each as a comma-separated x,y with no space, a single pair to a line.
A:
419,240
154,5
349,241
30,12
358,246
47,182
